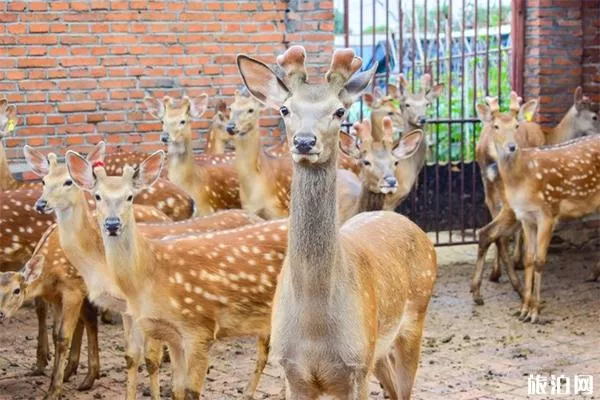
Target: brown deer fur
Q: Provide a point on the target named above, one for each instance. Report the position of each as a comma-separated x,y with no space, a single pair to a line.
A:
212,186
218,137
344,306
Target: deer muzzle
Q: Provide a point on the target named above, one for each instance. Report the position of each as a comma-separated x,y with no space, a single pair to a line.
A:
112,226
41,206
164,137
389,185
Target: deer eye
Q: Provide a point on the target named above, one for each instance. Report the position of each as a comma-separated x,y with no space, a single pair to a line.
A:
339,113
68,182
366,162
407,105
250,111
130,197
595,118
98,198
43,183
182,122
390,113
517,126
396,163
496,127
17,291
284,111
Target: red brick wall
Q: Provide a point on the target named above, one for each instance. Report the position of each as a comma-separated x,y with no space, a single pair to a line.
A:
78,70
591,48
553,55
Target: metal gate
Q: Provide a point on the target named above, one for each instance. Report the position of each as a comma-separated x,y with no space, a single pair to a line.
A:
465,44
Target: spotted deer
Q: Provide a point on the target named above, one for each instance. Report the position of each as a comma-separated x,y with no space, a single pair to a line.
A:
212,186
80,238
542,185
379,160
191,290
580,120
218,137
527,134
264,181
344,307
50,276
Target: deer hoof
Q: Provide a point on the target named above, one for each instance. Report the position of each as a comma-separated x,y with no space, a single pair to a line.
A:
478,300
87,383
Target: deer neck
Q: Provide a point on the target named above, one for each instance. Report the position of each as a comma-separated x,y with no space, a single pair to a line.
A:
79,233
181,165
369,201
7,181
377,124
565,129
214,145
247,157
512,169
314,249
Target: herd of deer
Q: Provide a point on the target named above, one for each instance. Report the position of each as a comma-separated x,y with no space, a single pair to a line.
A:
270,242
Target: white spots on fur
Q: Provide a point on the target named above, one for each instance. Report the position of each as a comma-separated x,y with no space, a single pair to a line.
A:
178,278
174,303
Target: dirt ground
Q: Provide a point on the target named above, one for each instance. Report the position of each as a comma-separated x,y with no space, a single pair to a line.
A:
469,352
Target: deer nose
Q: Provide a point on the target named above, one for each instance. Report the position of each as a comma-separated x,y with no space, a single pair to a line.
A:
422,120
1,316
390,181
304,143
511,147
112,225
230,128
164,137
40,205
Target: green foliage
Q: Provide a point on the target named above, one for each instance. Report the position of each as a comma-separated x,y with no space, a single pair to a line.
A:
338,21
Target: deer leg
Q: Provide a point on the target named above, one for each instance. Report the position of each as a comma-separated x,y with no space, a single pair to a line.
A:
517,252
501,245
499,227
262,354
89,315
153,355
133,355
75,352
385,374
178,370
43,353
544,235
529,231
595,273
69,316
511,272
197,366
407,351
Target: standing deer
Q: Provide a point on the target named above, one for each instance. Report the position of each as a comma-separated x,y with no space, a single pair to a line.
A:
414,105
212,186
187,291
542,185
218,137
344,306
80,238
379,160
50,276
381,106
264,181
579,120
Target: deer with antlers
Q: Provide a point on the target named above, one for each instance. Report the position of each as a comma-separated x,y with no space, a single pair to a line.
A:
382,106
542,185
344,307
185,291
51,277
264,181
212,186
80,238
379,160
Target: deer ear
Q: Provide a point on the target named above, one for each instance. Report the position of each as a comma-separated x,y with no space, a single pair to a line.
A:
80,170
348,145
97,154
33,269
3,105
356,85
393,91
578,99
409,144
11,111
369,99
221,106
36,160
198,105
484,113
149,170
262,82
435,92
155,107
527,110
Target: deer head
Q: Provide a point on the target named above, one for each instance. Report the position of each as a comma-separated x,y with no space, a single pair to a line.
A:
505,125
313,113
245,113
8,116
176,119
218,127
13,286
114,194
586,120
414,105
381,106
58,193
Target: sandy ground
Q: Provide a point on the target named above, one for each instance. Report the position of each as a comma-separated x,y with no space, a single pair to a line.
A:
469,352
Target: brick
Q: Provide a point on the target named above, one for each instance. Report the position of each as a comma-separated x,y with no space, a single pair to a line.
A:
75,107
